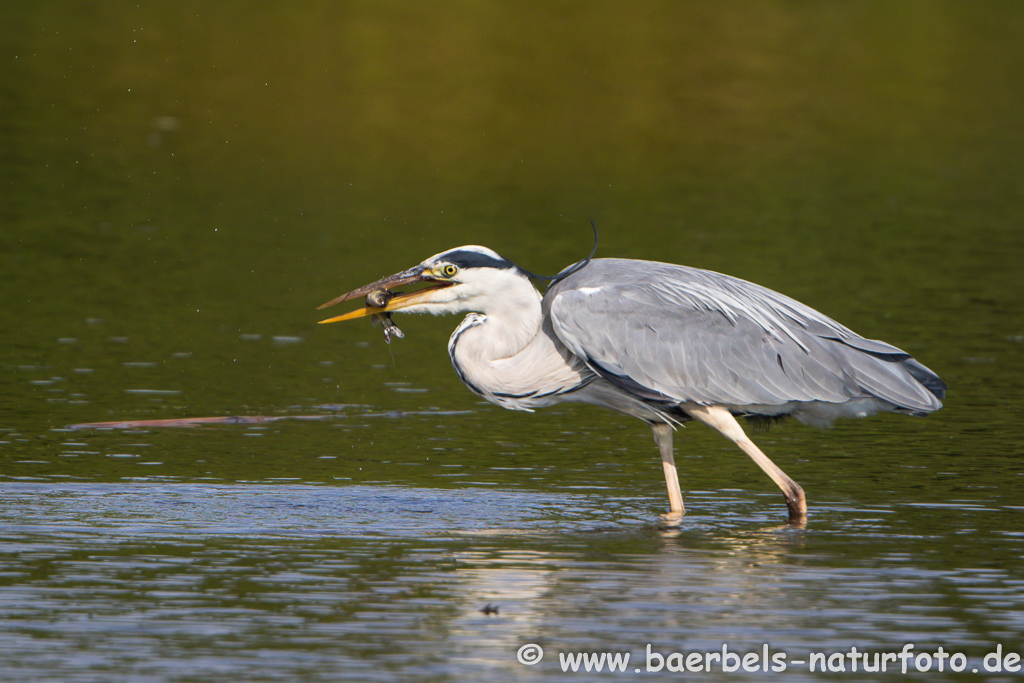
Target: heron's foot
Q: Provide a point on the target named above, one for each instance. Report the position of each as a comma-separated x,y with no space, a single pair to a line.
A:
797,504
670,523
672,518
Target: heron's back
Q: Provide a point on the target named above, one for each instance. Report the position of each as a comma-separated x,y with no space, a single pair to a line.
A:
670,333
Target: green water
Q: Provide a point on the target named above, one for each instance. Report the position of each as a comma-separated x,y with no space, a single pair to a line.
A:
182,184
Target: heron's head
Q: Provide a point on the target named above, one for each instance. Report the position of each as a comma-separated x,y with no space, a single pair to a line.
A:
459,280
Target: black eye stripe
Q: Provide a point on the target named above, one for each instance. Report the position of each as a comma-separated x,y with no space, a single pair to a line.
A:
474,259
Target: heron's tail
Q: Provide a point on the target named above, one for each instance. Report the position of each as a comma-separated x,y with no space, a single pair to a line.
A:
892,375
928,379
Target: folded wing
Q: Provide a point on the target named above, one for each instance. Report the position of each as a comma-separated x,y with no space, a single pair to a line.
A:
670,333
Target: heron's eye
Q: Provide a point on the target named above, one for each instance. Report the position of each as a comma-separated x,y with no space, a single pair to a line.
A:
449,270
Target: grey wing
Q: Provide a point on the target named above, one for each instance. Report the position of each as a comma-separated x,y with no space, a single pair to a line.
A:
671,333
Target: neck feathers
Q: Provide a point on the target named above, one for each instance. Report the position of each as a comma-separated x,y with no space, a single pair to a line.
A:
509,323
508,356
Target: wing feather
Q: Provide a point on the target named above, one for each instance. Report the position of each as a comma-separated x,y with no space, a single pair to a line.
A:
669,332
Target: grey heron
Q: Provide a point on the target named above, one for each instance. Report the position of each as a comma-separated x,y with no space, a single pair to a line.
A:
661,342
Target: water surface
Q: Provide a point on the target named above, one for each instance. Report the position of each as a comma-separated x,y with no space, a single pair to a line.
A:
180,188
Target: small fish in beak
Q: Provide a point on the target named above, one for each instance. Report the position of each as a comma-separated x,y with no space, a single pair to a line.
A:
379,298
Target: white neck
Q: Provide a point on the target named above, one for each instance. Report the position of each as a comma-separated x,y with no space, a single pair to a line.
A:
507,357
511,319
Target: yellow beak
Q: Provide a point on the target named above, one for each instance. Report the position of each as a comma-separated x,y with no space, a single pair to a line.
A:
399,301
